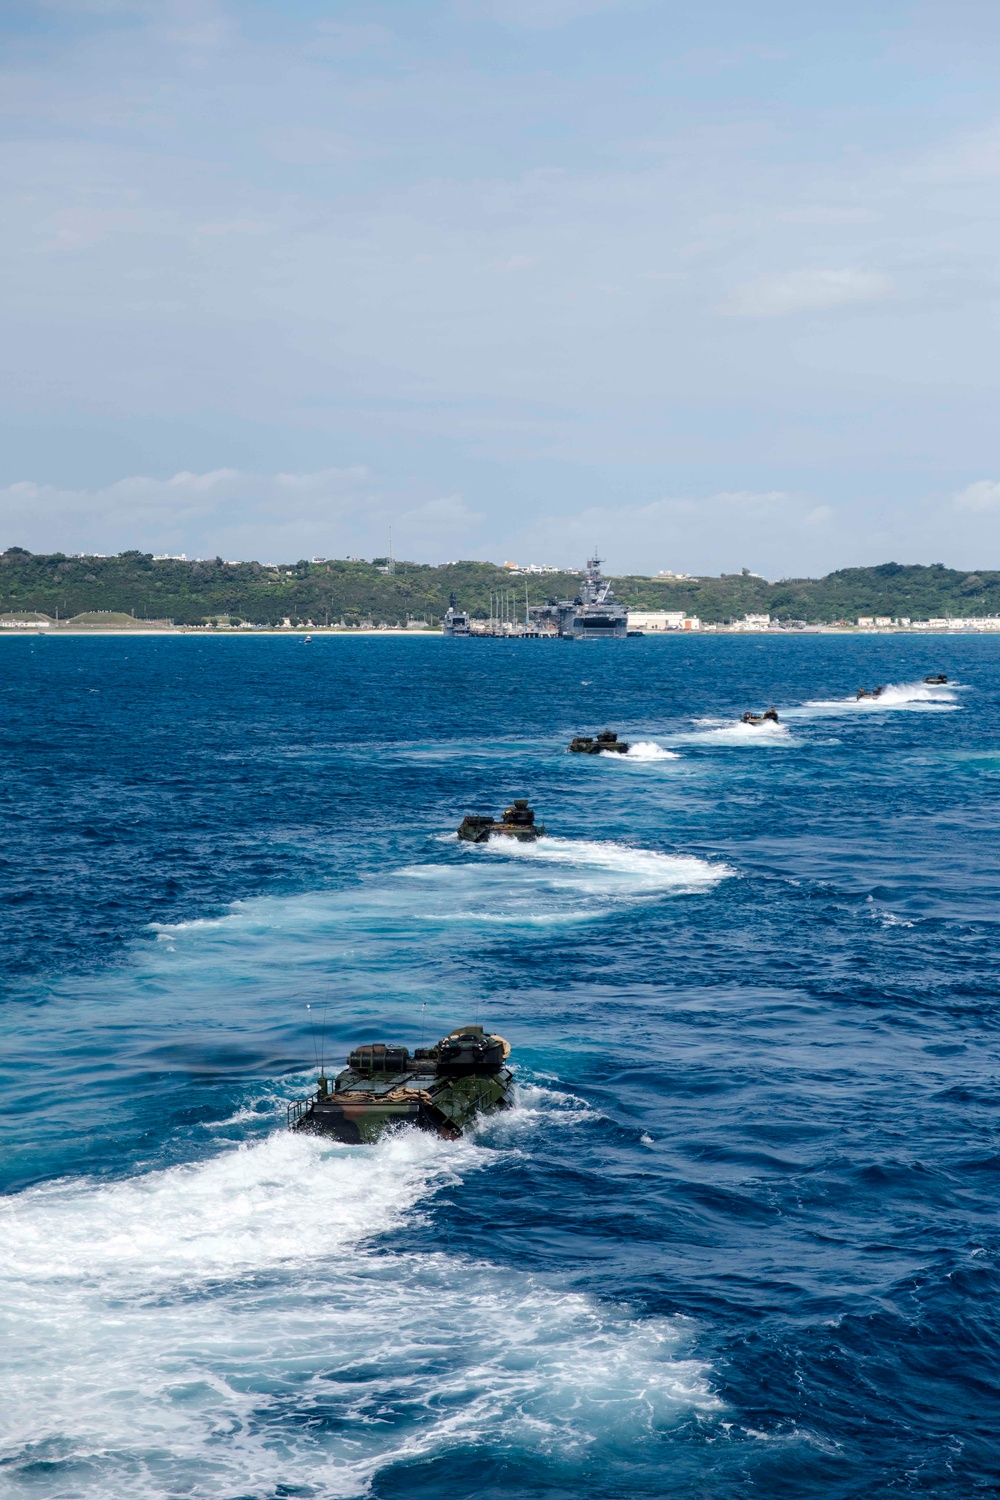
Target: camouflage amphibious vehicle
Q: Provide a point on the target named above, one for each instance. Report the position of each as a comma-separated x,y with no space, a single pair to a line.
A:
518,822
440,1088
607,740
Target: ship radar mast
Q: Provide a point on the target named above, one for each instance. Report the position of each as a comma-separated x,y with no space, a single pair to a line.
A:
597,588
594,614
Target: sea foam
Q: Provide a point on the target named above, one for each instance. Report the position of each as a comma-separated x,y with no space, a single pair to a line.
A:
906,695
595,865
643,750
227,1328
715,732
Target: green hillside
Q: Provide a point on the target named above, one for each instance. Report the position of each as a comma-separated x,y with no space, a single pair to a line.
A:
189,593
890,589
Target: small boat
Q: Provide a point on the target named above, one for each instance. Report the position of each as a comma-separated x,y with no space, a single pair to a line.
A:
517,822
937,680
769,716
585,744
441,1089
307,641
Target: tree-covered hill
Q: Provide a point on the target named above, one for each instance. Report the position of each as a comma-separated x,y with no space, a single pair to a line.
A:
893,589
327,592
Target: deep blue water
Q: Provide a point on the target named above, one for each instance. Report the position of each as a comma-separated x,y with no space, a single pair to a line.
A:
739,1237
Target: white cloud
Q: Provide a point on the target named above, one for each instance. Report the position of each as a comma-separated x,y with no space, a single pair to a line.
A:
826,214
533,15
964,159
170,290
983,495
514,263
806,291
332,512
337,512
437,519
752,502
692,534
346,39
217,511
307,146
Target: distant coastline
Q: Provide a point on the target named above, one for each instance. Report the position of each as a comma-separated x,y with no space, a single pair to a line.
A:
137,591
195,632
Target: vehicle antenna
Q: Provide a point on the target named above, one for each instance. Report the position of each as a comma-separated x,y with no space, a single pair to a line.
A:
319,1046
423,1013
322,1039
312,1033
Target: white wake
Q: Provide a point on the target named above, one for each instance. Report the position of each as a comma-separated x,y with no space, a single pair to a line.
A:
906,695
646,750
603,867
728,732
228,1328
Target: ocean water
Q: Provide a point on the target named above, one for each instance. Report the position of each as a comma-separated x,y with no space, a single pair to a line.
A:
739,1236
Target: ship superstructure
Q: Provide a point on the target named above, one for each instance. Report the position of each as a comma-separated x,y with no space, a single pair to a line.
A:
456,621
594,614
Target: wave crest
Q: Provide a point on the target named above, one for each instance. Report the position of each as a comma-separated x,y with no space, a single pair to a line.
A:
737,733
224,1328
615,867
647,750
894,695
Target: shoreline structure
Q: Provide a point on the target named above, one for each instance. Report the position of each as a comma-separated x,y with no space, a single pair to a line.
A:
20,629
137,593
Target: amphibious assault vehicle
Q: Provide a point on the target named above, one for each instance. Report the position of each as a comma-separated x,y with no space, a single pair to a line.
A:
585,744
517,822
937,677
440,1088
769,716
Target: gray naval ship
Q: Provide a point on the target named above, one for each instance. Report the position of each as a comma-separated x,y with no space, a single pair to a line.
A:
456,621
441,1088
594,614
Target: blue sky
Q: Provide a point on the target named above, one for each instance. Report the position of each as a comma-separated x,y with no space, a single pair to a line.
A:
703,286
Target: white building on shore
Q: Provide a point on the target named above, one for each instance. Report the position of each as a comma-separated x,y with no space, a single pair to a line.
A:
652,621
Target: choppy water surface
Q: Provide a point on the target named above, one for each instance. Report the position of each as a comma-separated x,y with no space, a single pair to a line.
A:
739,1236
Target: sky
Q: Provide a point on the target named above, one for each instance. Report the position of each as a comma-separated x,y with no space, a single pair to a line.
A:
700,287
